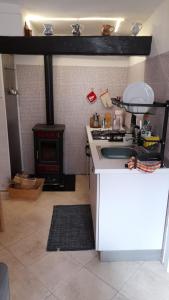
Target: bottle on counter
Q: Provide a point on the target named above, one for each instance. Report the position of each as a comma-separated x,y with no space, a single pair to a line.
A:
95,121
137,135
103,123
108,120
133,123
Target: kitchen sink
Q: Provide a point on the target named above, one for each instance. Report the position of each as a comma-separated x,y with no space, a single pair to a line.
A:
117,152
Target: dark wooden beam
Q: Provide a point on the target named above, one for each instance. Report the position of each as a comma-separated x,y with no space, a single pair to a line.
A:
76,45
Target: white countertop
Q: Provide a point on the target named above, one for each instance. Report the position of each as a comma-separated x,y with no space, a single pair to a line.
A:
104,165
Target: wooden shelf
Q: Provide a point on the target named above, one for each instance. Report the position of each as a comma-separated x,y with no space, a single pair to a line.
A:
80,45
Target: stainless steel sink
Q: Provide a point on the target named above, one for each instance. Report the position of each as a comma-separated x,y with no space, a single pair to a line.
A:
117,152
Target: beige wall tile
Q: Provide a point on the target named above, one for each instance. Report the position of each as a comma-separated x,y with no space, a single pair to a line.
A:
71,85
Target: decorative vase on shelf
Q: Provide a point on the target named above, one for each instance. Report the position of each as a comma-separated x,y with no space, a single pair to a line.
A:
48,29
76,29
107,29
136,27
27,30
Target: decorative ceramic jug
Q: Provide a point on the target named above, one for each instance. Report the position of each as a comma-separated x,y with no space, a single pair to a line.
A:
136,27
107,29
48,29
76,29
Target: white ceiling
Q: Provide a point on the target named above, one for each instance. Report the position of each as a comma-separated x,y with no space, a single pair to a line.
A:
131,10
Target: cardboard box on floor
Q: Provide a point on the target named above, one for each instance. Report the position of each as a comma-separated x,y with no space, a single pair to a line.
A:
26,194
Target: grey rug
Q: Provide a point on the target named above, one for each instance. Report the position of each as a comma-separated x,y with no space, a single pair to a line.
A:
71,228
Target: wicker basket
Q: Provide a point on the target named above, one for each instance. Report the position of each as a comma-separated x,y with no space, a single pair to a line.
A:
28,183
18,193
23,182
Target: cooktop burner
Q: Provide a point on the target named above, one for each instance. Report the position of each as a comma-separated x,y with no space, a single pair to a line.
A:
109,135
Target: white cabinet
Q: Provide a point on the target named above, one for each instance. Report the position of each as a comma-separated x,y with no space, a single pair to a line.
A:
94,199
130,211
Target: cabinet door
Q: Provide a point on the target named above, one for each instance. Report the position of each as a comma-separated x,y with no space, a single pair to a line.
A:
93,197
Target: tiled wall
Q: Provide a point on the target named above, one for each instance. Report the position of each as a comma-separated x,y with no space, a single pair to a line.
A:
157,75
71,84
32,108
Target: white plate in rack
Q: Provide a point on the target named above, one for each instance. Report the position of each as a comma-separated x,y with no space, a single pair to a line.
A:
139,93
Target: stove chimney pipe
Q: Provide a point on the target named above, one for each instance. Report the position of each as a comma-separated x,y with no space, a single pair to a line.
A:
49,89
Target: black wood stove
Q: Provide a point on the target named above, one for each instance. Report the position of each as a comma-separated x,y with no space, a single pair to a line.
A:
48,151
48,138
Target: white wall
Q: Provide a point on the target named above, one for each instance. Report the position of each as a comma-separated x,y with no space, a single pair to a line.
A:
157,26
136,68
11,22
4,146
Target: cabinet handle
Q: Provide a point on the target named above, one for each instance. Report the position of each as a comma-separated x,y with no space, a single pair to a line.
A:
92,169
37,155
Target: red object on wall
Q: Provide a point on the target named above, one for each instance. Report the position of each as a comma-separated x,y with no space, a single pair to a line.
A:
91,97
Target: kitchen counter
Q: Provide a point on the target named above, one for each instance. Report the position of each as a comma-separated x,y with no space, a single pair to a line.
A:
103,165
128,207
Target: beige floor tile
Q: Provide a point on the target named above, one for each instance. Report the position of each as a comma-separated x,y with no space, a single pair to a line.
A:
54,268
15,210
15,232
48,200
82,257
115,273
146,285
51,297
14,266
38,218
31,249
157,268
26,286
120,297
84,286
82,183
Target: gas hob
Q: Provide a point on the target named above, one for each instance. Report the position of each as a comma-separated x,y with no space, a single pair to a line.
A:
108,135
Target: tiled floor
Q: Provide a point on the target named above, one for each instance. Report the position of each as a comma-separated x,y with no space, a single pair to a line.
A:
39,275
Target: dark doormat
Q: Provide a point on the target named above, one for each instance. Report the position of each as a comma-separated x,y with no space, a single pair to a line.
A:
67,185
71,228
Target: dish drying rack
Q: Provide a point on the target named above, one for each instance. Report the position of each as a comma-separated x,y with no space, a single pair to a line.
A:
156,104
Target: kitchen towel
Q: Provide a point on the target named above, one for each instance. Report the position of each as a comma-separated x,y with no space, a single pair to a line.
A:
106,99
144,166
